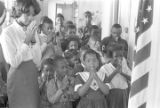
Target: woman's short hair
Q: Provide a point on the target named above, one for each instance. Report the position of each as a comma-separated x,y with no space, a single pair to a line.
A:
2,8
2,13
22,7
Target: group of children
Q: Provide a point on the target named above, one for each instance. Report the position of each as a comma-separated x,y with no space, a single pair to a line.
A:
78,74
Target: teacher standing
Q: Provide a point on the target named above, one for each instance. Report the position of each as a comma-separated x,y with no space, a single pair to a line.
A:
22,84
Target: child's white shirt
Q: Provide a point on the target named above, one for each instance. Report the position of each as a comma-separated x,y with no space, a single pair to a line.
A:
118,80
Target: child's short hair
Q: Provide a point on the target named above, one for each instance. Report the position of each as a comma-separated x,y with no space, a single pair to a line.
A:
48,61
70,26
87,13
60,16
94,27
68,23
70,53
118,50
65,43
46,19
116,26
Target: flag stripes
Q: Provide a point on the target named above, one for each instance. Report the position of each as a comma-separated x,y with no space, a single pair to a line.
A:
139,84
141,69
143,40
142,54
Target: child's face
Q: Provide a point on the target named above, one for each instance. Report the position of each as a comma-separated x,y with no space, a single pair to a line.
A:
75,60
117,58
88,19
91,62
47,28
116,32
62,67
71,32
95,45
73,45
95,32
106,59
47,69
59,21
82,52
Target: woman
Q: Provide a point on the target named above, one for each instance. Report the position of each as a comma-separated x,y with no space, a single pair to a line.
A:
22,84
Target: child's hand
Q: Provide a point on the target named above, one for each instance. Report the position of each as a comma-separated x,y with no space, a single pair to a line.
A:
119,68
95,76
92,75
65,83
72,81
43,76
70,71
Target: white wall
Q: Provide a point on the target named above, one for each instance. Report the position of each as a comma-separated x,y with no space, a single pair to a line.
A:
44,10
131,33
109,16
95,6
124,17
52,9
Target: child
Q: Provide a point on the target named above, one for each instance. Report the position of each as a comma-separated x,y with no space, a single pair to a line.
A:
46,36
67,23
60,88
118,73
90,85
59,23
106,56
83,50
115,39
47,73
59,26
72,56
60,33
95,44
72,42
70,30
95,30
85,31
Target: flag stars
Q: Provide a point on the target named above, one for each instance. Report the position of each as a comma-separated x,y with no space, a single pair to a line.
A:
149,9
145,20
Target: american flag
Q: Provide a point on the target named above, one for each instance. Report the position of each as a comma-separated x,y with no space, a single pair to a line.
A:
142,68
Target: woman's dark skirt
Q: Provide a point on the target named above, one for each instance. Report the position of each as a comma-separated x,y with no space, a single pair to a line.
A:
22,86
